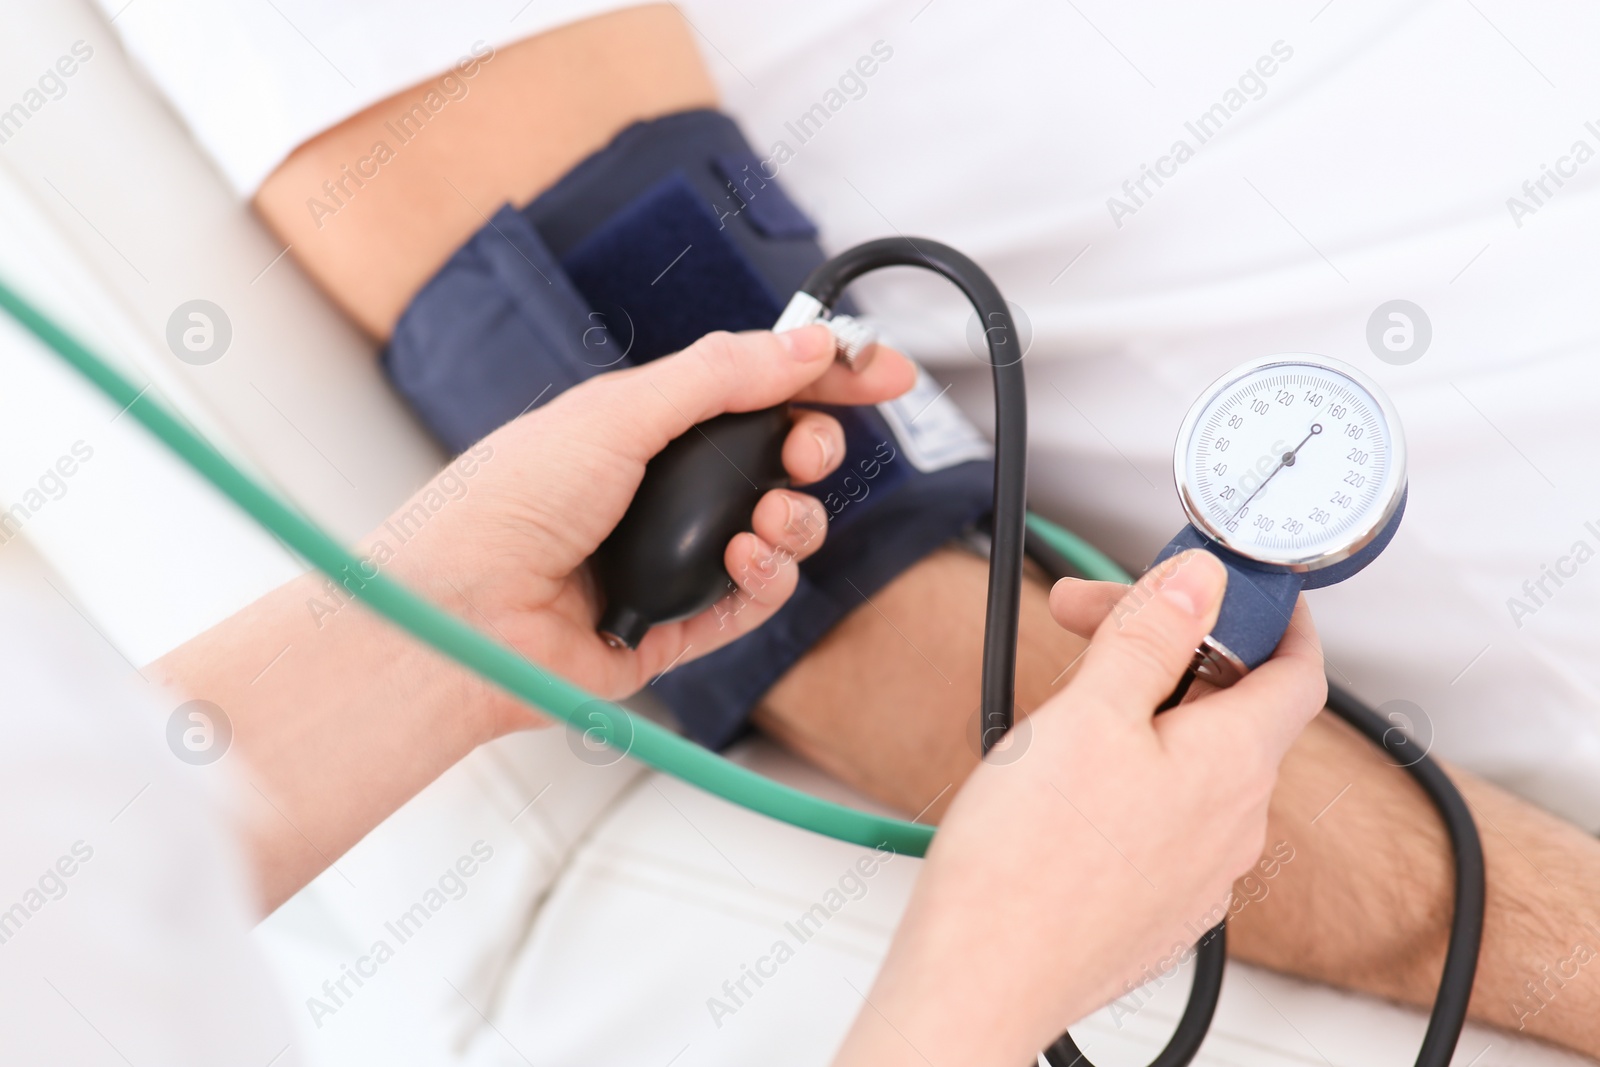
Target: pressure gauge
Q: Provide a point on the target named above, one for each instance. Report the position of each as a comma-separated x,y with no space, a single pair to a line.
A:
1293,461
1292,471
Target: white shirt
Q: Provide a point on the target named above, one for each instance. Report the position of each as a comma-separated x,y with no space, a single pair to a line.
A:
1339,156
124,916
253,80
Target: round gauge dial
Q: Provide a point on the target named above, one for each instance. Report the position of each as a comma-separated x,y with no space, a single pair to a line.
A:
1297,461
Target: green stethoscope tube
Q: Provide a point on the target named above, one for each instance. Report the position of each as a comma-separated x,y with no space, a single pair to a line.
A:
1086,559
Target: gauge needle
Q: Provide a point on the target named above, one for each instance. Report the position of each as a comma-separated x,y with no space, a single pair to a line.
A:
1286,461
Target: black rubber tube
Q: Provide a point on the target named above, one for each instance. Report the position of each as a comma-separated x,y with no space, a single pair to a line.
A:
1010,445
1008,539
1211,958
1466,924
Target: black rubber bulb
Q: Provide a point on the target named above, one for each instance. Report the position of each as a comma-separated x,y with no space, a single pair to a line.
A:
664,559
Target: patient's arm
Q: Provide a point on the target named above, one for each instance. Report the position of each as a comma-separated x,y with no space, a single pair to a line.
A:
531,112
889,700
1365,902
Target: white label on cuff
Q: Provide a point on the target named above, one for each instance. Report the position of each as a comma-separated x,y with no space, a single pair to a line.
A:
932,431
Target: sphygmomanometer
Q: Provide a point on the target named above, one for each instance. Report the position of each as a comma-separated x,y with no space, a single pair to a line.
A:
1290,469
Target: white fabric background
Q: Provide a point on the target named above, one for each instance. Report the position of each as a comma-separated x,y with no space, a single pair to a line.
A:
143,954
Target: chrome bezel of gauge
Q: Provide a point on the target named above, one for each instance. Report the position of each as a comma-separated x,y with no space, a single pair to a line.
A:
1396,481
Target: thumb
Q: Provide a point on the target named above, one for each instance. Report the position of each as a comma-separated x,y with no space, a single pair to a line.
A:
638,411
1142,648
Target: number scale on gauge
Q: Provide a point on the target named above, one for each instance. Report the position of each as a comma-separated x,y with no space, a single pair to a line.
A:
1289,463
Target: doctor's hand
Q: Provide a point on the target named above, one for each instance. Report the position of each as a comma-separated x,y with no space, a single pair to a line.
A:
548,488
1098,839
337,718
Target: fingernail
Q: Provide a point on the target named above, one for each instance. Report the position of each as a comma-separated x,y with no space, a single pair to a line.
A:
1195,582
825,445
1067,582
803,350
799,513
806,521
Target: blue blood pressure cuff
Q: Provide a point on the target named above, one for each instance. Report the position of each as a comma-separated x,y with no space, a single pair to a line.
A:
673,230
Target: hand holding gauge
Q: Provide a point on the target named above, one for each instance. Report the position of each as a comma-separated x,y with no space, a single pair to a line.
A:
1292,471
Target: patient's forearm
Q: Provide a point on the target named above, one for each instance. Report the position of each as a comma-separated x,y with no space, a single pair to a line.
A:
888,701
1366,901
